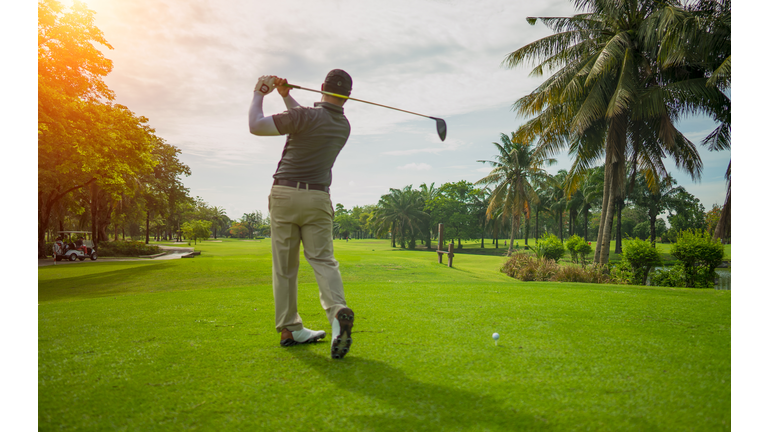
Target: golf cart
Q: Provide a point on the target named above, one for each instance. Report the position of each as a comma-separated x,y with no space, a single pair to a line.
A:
74,248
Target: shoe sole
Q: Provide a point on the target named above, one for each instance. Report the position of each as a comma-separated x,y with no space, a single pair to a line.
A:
340,346
292,342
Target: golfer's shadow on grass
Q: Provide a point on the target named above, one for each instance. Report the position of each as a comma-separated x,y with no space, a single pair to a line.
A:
409,404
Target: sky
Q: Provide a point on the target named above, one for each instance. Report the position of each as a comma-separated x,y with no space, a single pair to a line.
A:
191,66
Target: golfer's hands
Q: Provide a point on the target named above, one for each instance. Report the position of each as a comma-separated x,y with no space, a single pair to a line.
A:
279,83
265,85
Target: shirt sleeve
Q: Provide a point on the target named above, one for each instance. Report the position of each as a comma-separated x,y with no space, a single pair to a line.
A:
290,121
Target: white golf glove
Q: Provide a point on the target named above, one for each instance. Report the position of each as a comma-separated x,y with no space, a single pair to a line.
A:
265,85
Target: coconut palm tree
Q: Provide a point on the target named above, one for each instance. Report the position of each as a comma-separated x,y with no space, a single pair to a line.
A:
609,98
708,22
516,171
402,210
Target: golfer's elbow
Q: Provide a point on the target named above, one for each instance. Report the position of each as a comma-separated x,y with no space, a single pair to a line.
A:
263,127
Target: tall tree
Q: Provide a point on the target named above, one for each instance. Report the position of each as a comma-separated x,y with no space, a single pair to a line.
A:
516,170
83,139
403,211
609,97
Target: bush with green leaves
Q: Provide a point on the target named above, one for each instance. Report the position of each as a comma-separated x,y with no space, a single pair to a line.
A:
579,249
641,257
552,247
699,255
669,277
126,249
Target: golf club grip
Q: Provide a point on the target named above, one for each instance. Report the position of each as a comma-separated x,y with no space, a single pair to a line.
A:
357,100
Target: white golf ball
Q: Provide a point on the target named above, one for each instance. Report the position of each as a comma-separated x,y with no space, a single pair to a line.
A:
496,336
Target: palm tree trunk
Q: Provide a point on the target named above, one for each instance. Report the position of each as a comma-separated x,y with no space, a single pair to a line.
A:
512,236
620,204
604,242
603,212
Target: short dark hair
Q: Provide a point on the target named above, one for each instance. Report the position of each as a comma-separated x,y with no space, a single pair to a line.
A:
339,82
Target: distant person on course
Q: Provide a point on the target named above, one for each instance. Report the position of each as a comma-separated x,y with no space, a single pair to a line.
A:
300,205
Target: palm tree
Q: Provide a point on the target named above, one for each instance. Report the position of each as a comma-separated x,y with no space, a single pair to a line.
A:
555,192
655,201
218,214
609,98
428,193
708,22
516,170
403,211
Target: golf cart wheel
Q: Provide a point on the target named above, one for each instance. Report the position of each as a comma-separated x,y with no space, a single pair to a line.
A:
73,257
58,257
93,256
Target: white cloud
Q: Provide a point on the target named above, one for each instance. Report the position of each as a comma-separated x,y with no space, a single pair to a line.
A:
415,167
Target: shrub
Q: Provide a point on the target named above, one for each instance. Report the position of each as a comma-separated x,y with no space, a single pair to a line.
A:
579,249
571,244
621,273
641,257
516,263
699,255
553,248
672,277
583,250
526,268
572,274
126,248
546,270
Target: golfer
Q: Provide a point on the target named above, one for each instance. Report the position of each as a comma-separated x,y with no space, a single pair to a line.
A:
300,205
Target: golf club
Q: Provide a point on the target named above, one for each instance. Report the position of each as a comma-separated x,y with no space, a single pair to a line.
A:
442,128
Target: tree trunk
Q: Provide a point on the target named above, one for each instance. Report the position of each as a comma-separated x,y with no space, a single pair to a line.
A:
603,212
586,223
512,235
527,230
652,221
604,242
723,228
94,214
620,205
147,230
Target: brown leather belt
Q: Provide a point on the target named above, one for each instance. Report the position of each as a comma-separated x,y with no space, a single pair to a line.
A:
301,185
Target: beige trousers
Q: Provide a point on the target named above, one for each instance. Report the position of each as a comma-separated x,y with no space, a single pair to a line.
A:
302,216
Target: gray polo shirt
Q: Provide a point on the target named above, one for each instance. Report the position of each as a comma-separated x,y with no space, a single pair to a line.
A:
315,138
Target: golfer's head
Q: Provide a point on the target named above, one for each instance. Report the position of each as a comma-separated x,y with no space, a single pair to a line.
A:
339,82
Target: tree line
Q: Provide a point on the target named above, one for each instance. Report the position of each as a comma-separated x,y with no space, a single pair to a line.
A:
621,74
411,215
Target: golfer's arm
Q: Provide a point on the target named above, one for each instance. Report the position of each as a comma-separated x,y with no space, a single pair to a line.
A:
257,123
290,102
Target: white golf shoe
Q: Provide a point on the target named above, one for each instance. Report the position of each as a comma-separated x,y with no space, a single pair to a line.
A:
303,336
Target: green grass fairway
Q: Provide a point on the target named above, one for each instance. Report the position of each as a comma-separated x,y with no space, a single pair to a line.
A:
190,344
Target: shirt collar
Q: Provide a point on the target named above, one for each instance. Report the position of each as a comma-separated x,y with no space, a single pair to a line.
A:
330,106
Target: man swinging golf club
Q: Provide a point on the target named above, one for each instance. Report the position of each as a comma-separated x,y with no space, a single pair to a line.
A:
300,205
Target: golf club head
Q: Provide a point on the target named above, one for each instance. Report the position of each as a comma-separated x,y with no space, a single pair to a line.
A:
442,128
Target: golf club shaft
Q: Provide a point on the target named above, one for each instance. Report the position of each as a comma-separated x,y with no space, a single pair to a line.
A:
357,100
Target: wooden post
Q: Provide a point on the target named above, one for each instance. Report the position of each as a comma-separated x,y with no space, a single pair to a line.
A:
440,236
450,254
